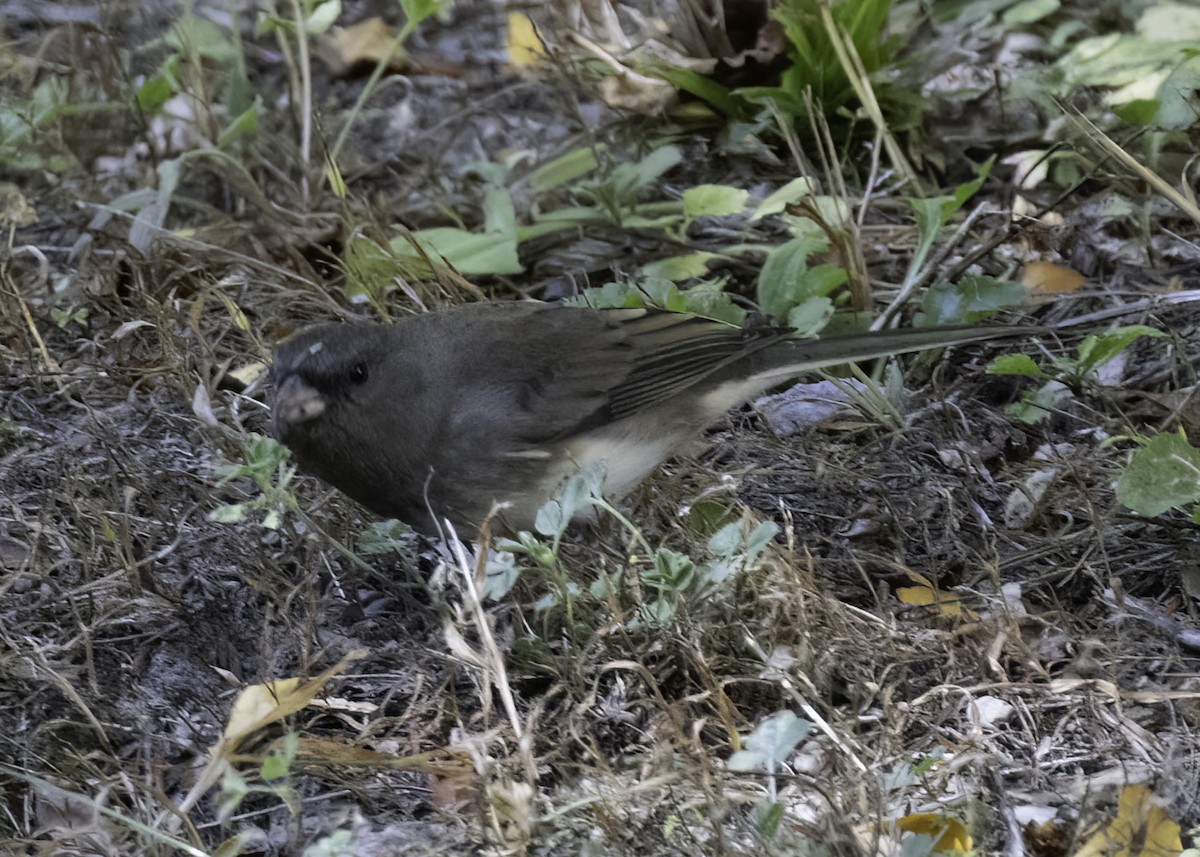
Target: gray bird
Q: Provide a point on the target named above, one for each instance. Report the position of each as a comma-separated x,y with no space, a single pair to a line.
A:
443,414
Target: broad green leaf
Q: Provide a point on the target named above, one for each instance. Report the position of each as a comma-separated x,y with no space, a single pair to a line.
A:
566,168
383,537
1177,104
971,299
1140,111
966,190
550,520
1029,12
702,87
322,17
780,277
617,295
1036,407
726,541
192,34
1099,348
627,180
469,252
779,200
761,536
229,514
713,200
1162,475
663,293
1014,364
418,10
499,215
1170,22
152,94
580,490
709,300
769,745
672,570
680,268
500,574
370,269
812,315
245,125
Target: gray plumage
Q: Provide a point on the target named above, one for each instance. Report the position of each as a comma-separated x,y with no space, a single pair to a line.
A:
447,412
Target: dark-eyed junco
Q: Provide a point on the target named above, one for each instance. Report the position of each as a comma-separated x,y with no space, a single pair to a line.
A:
443,414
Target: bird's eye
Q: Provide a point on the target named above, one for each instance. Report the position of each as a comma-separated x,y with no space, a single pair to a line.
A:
358,373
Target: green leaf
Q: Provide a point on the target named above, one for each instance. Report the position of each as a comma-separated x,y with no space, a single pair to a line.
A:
370,269
274,766
579,492
616,295
469,252
1029,12
709,300
726,541
1099,348
767,817
779,200
966,190
566,168
761,536
779,280
810,317
672,570
550,520
1162,475
704,88
1140,111
658,612
229,514
713,200
621,188
680,268
771,743
820,281
322,17
499,214
384,537
417,11
152,94
971,299
245,125
1036,407
663,293
193,34
1014,364
501,574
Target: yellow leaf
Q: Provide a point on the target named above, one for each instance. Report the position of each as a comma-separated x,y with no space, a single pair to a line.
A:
949,834
1141,829
947,603
524,46
1048,277
366,43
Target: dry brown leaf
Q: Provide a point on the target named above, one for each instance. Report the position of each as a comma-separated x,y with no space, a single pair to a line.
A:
257,706
15,210
366,43
454,783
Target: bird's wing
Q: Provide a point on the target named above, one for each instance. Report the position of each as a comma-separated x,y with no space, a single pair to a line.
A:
674,351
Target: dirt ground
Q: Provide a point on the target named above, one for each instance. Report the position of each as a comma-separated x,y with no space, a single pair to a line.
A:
1059,664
